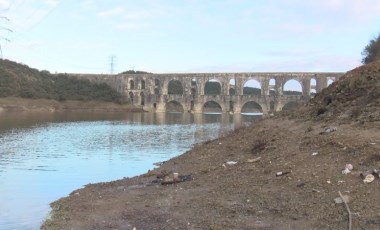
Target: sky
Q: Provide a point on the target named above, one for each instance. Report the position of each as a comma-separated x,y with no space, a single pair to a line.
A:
180,36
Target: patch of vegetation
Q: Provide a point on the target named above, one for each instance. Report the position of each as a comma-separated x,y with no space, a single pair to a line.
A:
372,51
134,72
292,93
175,87
17,80
251,91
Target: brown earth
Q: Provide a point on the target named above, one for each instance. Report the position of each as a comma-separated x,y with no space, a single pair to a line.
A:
248,194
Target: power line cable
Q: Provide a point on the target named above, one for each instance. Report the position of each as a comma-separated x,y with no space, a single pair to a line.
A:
2,37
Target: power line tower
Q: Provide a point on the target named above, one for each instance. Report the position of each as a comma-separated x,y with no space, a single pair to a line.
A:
2,37
112,64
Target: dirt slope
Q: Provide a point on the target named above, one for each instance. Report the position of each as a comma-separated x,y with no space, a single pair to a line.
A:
248,194
354,98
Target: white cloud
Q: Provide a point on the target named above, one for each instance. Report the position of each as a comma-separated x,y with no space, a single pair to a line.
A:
88,4
112,13
4,4
26,14
131,26
358,9
133,18
52,2
141,14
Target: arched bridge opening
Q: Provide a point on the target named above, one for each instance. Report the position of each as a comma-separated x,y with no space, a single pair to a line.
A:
174,107
212,107
252,107
292,88
252,87
175,87
291,105
213,87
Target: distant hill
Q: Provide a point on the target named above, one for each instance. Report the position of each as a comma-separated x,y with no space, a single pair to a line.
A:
18,80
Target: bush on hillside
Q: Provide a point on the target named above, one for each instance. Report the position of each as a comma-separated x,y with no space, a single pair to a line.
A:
21,81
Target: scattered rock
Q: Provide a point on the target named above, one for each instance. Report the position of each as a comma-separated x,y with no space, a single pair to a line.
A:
339,200
254,160
328,130
176,178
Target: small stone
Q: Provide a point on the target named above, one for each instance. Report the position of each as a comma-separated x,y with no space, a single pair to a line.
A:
339,200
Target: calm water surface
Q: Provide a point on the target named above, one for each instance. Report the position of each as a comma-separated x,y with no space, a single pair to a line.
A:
45,156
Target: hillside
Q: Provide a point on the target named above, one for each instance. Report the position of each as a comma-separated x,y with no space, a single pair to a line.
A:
17,80
312,145
354,98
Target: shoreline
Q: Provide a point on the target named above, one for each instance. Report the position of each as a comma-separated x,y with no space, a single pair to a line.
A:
22,104
245,195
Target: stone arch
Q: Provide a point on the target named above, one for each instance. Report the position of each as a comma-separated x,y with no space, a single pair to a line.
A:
174,107
142,97
290,105
131,84
175,87
213,87
157,82
231,87
272,86
252,107
212,107
292,87
313,87
272,106
142,84
131,97
157,86
194,82
252,87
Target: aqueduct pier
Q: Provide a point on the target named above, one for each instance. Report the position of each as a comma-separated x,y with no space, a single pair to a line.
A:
153,92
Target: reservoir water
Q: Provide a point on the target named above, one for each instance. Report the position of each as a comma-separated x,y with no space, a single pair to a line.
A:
45,156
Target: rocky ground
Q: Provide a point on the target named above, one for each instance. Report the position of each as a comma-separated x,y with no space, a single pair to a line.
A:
233,179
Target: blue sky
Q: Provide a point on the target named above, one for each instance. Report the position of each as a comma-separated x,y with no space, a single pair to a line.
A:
167,36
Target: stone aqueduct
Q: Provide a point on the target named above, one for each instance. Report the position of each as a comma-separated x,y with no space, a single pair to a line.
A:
151,91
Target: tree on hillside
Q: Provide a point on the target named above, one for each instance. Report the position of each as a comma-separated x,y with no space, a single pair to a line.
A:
372,51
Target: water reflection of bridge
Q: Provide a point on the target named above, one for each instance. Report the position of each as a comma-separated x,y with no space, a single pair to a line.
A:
196,118
187,92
